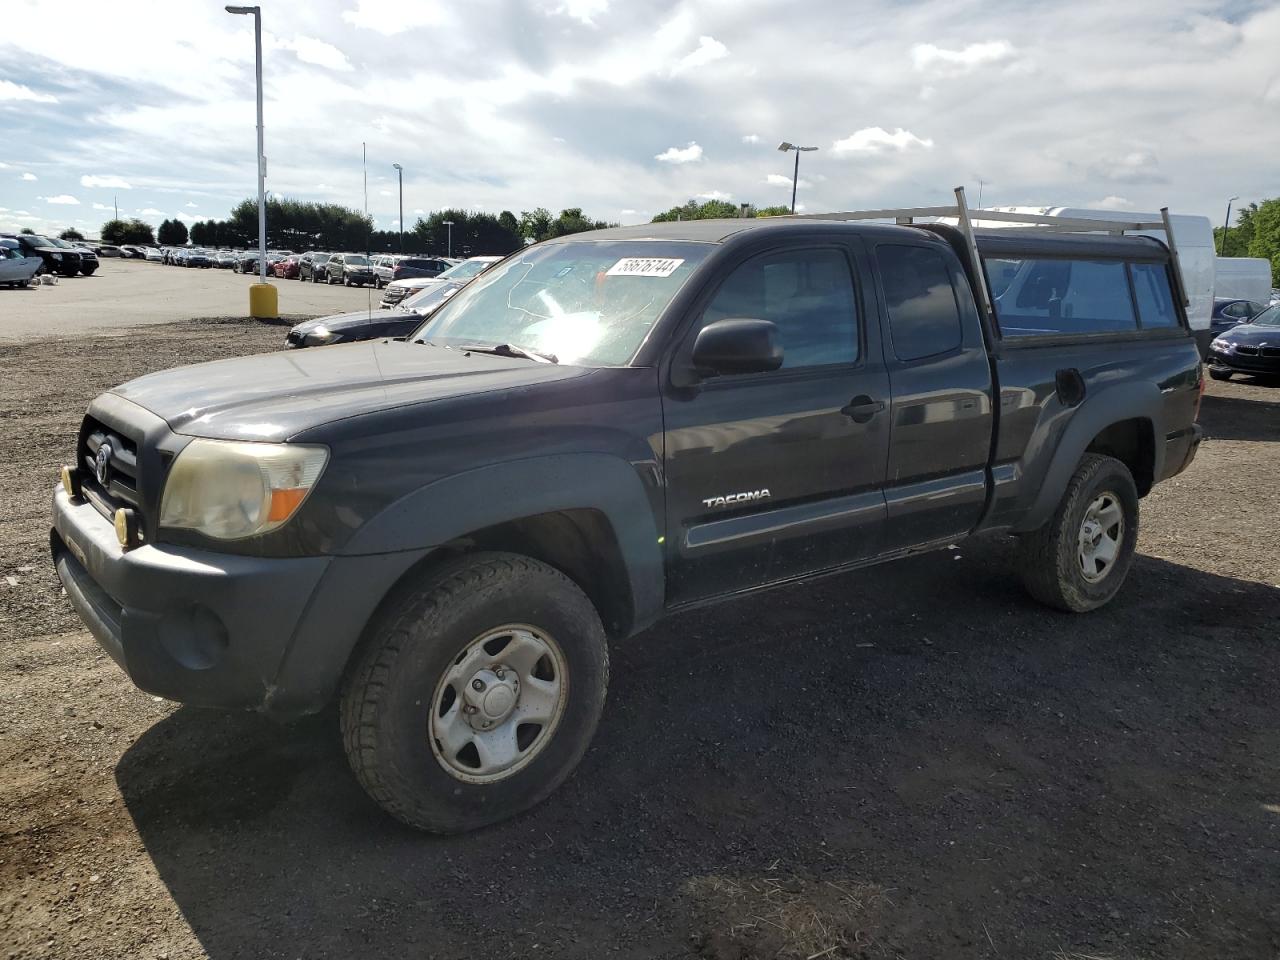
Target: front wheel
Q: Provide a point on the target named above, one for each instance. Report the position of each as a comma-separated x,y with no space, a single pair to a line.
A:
1219,373
477,693
1079,559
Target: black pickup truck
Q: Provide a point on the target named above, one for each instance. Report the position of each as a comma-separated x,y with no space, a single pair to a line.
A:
446,532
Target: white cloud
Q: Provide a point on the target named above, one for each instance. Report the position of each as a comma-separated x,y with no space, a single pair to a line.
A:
419,211
709,49
870,140
189,204
778,180
103,206
1136,166
390,17
1111,203
584,11
29,176
311,50
627,212
112,182
62,198
151,212
751,138
714,195
680,155
935,59
16,91
4,166
385,193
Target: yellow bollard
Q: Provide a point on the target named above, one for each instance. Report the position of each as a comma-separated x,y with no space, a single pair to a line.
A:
264,301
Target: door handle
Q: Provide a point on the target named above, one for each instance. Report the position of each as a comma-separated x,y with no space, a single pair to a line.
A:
862,408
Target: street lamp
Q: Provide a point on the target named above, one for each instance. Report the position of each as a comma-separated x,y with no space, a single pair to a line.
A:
1226,225
449,224
261,303
400,177
784,146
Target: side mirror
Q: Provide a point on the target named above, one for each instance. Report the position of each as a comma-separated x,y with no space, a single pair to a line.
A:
737,346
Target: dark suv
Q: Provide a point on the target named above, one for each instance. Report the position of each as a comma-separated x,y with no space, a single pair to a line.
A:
353,269
61,259
445,533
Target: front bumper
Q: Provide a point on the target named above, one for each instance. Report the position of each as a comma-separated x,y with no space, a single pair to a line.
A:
195,626
1244,363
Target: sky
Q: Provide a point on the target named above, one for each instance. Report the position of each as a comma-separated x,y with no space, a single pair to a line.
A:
626,109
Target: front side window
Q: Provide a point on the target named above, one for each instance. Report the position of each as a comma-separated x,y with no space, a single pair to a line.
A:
924,316
1155,298
1044,297
807,294
582,301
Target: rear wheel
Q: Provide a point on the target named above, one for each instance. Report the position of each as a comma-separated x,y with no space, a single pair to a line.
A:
1079,559
477,694
1219,373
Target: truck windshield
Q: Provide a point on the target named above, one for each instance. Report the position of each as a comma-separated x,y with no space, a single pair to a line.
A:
1268,318
583,301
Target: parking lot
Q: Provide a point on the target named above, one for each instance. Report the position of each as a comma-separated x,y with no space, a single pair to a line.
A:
910,761
125,293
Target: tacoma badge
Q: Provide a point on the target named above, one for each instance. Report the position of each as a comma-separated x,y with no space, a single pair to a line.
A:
738,498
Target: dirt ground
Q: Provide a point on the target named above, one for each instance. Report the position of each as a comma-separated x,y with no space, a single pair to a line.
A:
911,761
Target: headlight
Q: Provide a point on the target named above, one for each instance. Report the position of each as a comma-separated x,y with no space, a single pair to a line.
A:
1223,345
320,336
57,256
231,490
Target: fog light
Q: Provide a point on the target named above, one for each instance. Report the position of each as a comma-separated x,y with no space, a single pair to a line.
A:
126,528
71,482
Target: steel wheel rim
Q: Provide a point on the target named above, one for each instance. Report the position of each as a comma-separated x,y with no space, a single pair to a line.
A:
486,733
1100,538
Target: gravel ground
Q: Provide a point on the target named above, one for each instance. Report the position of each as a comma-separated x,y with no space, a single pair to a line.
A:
910,761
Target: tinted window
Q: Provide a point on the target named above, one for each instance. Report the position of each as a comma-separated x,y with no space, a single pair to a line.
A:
807,293
1155,298
1047,297
924,317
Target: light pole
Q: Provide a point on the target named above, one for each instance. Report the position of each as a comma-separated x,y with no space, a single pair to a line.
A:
400,177
1226,225
784,146
449,224
264,301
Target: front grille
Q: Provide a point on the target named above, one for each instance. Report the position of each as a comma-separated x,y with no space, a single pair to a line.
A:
1247,351
1270,351
121,488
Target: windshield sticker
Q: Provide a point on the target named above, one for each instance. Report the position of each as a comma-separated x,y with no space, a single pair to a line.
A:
643,267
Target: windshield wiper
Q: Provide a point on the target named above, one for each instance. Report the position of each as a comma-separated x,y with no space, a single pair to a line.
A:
510,350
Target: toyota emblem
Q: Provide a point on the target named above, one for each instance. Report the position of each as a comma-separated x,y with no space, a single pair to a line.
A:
102,463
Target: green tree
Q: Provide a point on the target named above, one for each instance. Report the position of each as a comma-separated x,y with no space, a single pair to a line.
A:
71,233
535,224
28,231
1264,224
474,234
173,233
127,231
717,210
1239,236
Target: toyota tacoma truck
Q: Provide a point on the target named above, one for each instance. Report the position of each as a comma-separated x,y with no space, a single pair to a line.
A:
445,533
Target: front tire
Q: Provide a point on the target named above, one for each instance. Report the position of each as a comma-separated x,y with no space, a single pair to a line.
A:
1079,560
1219,373
477,693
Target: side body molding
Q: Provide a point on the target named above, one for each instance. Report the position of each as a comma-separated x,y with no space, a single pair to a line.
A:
454,506
1100,409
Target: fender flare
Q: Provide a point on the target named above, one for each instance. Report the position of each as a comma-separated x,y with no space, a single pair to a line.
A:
1100,410
455,506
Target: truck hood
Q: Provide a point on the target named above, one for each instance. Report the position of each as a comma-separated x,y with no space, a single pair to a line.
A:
274,396
357,318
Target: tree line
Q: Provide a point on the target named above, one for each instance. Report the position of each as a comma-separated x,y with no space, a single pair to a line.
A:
1256,233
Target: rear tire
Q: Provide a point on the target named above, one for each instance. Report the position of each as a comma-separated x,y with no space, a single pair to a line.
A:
1078,560
409,722
1217,373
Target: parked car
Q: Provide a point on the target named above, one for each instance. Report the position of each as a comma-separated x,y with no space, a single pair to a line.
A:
107,250
88,258
398,290
155,255
57,258
445,533
286,269
247,262
1228,311
224,260
406,268
1249,347
372,324
311,266
132,251
351,269
16,268
384,269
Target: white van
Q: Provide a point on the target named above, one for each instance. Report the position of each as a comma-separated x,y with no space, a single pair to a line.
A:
1196,254
1243,278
